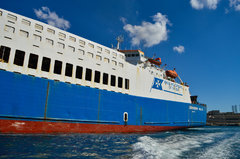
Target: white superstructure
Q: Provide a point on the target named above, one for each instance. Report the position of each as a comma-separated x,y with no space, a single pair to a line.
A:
44,51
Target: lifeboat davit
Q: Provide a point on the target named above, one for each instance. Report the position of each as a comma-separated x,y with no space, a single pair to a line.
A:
172,73
156,61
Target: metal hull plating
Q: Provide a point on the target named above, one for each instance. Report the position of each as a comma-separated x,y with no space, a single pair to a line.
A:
36,105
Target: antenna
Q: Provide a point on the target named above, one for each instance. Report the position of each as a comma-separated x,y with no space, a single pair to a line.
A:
119,40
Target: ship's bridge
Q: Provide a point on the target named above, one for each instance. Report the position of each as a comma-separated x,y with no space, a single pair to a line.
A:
134,56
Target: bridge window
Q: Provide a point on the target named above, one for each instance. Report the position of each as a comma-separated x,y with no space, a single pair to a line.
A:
113,80
68,70
120,82
4,54
57,67
19,57
46,64
105,78
33,60
97,77
88,76
126,83
79,71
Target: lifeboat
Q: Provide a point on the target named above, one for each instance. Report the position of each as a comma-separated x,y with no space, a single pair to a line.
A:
172,73
156,61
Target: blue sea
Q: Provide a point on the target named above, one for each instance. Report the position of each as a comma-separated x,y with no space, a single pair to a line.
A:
201,143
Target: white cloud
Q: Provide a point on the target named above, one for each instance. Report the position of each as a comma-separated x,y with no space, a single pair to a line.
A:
149,33
52,18
235,4
200,4
180,49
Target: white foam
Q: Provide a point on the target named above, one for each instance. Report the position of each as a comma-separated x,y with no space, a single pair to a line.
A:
221,150
170,147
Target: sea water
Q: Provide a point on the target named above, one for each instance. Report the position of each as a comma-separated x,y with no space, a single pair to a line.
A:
202,143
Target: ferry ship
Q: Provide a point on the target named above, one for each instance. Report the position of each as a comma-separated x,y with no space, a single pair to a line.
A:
53,81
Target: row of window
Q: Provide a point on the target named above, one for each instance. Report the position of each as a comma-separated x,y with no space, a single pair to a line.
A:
46,62
61,45
61,36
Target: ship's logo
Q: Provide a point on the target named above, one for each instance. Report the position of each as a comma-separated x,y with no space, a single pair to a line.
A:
167,86
157,84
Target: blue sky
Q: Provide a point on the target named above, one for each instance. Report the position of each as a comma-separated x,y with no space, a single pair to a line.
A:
208,32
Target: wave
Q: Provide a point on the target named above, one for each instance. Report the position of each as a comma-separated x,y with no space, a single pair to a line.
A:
170,147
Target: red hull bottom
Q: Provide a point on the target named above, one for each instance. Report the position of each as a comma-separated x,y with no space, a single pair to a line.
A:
46,127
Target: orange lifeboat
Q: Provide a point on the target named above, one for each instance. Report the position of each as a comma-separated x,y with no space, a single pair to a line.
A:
156,61
172,73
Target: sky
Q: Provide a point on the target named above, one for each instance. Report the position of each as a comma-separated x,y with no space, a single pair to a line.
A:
200,38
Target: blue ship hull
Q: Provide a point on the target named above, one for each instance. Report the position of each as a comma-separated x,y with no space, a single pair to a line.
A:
36,100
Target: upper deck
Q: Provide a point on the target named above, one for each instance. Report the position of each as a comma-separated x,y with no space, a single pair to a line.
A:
33,48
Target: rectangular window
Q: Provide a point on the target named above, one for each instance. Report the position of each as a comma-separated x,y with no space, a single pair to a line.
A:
33,61
90,45
4,54
72,39
46,64
12,17
24,33
90,54
9,29
26,22
122,56
37,37
97,77
68,70
114,62
49,41
57,67
19,58
61,35
120,82
107,51
82,43
51,31
61,45
105,78
99,48
38,26
120,64
88,76
113,80
0,13
79,72
99,58
114,54
71,48
81,51
106,60
126,83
